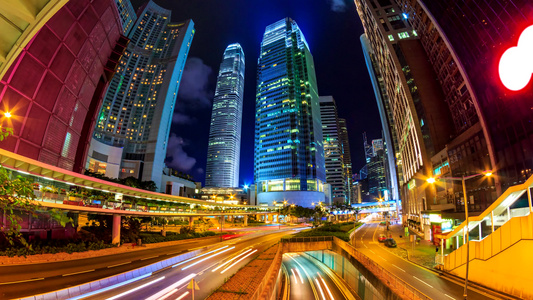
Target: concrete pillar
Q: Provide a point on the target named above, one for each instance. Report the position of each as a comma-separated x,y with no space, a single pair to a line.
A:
245,220
115,237
222,219
191,221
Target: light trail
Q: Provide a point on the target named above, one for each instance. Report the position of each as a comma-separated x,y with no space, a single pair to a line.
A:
110,287
238,261
327,287
188,260
204,259
136,289
294,275
300,274
182,296
231,260
164,293
320,289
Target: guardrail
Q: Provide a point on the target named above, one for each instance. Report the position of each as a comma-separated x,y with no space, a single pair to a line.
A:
402,288
308,239
267,285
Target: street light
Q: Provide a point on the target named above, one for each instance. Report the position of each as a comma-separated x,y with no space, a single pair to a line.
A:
463,179
7,114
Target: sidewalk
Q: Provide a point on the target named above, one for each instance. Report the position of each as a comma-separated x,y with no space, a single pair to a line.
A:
422,253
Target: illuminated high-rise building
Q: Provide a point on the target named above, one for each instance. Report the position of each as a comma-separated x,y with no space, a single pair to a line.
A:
333,149
133,125
417,104
346,158
223,150
289,152
127,15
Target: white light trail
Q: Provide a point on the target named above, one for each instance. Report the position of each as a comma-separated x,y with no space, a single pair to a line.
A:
183,296
327,287
188,260
238,261
294,275
136,289
300,275
201,260
320,289
110,287
169,290
231,260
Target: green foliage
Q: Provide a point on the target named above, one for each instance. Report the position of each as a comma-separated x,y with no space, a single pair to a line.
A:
54,247
129,181
152,237
340,230
17,199
5,132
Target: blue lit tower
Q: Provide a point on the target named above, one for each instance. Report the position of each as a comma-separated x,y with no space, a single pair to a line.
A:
289,151
223,150
134,121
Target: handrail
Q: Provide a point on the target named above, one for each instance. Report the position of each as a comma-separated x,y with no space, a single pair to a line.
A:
516,191
266,286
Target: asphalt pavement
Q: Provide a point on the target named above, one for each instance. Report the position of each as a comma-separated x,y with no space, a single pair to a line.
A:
427,281
310,281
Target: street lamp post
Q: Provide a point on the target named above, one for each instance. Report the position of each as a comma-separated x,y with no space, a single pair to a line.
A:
463,179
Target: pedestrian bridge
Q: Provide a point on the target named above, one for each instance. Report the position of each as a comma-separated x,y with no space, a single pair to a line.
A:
500,242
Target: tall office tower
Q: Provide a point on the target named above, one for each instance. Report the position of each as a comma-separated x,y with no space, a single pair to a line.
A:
127,15
392,152
464,39
54,87
133,125
333,149
223,150
369,152
377,183
419,112
289,151
347,159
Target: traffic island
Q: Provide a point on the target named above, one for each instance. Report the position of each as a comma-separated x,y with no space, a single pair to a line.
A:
255,279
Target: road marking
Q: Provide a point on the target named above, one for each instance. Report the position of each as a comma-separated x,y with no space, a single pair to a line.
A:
382,257
372,251
149,257
398,267
365,245
422,281
449,296
119,264
175,252
33,279
80,272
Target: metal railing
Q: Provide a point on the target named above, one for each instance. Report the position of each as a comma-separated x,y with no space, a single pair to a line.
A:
307,239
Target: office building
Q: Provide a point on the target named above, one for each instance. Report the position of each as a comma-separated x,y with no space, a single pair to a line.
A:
419,111
289,152
347,158
138,105
53,89
223,150
333,149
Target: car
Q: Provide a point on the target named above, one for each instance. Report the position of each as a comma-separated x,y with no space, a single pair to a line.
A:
382,238
391,243
383,223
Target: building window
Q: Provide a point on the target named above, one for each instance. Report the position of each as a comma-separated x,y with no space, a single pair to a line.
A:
391,37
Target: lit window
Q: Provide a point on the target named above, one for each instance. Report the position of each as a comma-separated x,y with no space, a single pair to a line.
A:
391,37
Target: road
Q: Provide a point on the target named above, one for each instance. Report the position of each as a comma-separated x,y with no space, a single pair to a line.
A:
426,281
30,279
209,269
309,281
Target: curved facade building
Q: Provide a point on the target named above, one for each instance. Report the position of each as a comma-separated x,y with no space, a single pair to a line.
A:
138,106
54,88
289,150
223,150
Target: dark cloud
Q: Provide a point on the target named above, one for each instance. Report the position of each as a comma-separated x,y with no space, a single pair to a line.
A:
181,118
194,89
177,158
338,5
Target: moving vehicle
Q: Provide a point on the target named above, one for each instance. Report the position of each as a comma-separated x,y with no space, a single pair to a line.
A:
382,238
391,243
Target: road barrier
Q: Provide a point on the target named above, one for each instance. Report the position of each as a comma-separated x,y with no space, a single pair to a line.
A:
269,282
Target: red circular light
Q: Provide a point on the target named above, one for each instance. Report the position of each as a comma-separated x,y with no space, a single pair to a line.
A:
516,63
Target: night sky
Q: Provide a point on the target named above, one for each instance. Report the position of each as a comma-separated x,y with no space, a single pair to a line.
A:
331,28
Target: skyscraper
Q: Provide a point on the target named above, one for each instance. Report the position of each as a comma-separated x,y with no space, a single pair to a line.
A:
289,152
377,184
54,87
420,115
134,121
223,150
346,158
333,149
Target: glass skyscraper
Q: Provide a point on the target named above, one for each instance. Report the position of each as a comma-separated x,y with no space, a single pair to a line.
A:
289,151
223,150
134,121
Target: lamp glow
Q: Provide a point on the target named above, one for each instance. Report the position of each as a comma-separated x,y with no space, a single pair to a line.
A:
7,114
516,63
430,180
